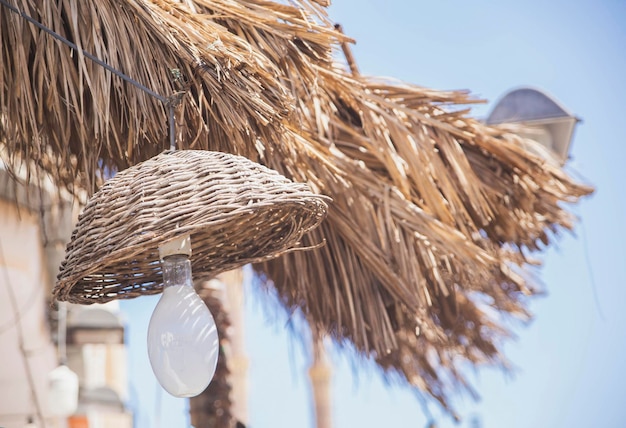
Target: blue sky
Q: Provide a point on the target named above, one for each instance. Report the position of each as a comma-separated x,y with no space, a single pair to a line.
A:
570,358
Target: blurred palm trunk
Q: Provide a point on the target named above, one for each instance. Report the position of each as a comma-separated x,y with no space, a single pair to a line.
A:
320,374
215,408
237,358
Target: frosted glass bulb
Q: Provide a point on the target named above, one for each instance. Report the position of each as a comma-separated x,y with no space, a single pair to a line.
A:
182,338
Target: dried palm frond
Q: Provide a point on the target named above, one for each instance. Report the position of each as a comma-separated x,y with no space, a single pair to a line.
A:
433,211
224,54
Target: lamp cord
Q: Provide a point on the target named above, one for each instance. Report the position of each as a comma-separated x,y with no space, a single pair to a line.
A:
169,102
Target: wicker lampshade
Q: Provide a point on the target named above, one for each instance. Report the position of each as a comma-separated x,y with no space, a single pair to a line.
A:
235,210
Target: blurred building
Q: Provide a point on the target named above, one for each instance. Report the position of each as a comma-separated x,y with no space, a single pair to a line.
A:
35,224
96,352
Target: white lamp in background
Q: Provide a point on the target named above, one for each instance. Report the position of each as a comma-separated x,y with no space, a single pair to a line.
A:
62,382
183,345
543,119
63,391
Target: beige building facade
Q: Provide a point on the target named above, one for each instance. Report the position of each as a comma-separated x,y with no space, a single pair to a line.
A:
35,224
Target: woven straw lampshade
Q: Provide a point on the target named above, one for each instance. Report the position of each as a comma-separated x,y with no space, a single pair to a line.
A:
235,210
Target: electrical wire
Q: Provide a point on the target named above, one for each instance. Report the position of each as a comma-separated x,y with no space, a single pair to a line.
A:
169,102
20,311
592,279
95,59
62,332
20,338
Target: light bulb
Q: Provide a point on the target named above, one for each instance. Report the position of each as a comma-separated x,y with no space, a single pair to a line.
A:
182,338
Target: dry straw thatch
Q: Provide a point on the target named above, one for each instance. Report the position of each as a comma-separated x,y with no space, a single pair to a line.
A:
433,211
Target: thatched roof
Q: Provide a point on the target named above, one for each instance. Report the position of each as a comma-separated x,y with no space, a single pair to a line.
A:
433,214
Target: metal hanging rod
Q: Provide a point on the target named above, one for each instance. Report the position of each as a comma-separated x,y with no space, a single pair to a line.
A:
168,102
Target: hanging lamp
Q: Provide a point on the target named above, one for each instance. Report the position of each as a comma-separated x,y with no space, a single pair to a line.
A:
235,211
145,230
